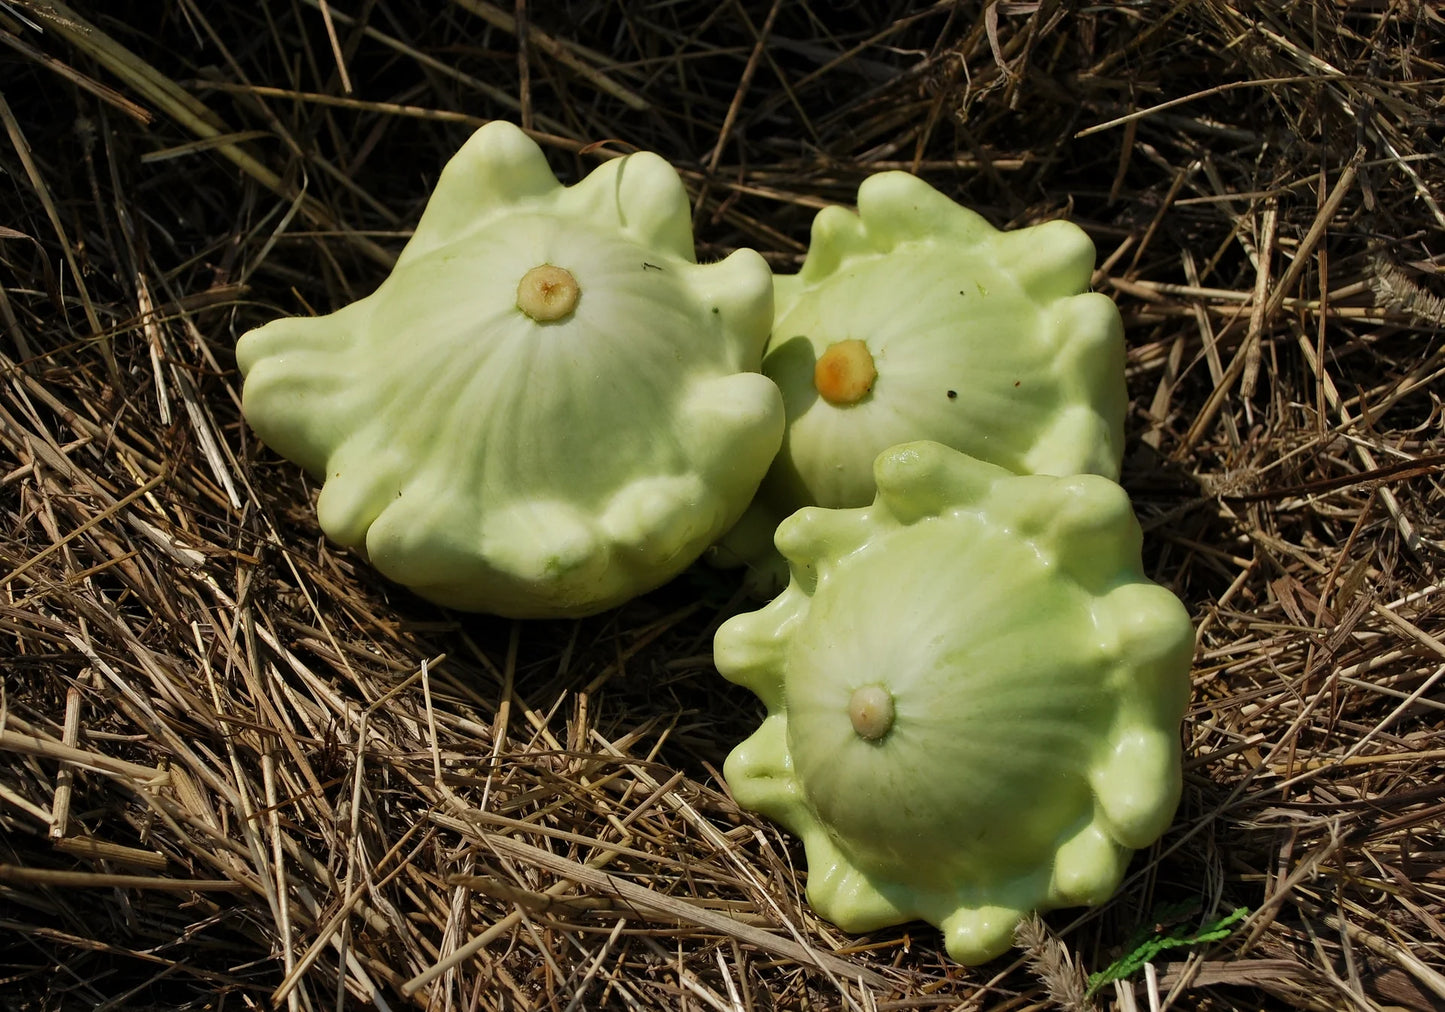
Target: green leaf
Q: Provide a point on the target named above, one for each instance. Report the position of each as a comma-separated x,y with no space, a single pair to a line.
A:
1150,941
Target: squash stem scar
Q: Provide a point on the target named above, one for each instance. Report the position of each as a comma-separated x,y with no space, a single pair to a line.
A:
547,293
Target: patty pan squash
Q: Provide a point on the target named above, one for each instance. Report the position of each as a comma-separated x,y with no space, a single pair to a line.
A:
973,697
916,319
548,407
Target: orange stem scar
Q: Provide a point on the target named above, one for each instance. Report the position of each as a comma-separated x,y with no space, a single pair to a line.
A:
844,373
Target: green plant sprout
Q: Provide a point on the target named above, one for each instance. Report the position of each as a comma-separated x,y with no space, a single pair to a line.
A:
1149,941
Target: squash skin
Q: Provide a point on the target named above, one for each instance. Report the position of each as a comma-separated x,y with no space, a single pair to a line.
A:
987,341
495,462
944,302
1037,681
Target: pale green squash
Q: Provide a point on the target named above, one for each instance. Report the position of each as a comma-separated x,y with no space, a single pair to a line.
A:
549,406
916,319
973,697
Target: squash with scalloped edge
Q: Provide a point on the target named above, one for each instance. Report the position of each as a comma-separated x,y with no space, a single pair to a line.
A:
914,318
973,697
548,407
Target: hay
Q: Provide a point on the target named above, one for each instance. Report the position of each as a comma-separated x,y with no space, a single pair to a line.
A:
239,771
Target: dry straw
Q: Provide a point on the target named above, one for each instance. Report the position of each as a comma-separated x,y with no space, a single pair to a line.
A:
239,771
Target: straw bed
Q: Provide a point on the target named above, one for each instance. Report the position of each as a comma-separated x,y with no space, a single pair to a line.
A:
239,770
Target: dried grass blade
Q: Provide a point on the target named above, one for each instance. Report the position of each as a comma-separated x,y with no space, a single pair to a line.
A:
97,880
30,744
103,92
570,56
655,903
186,110
42,192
